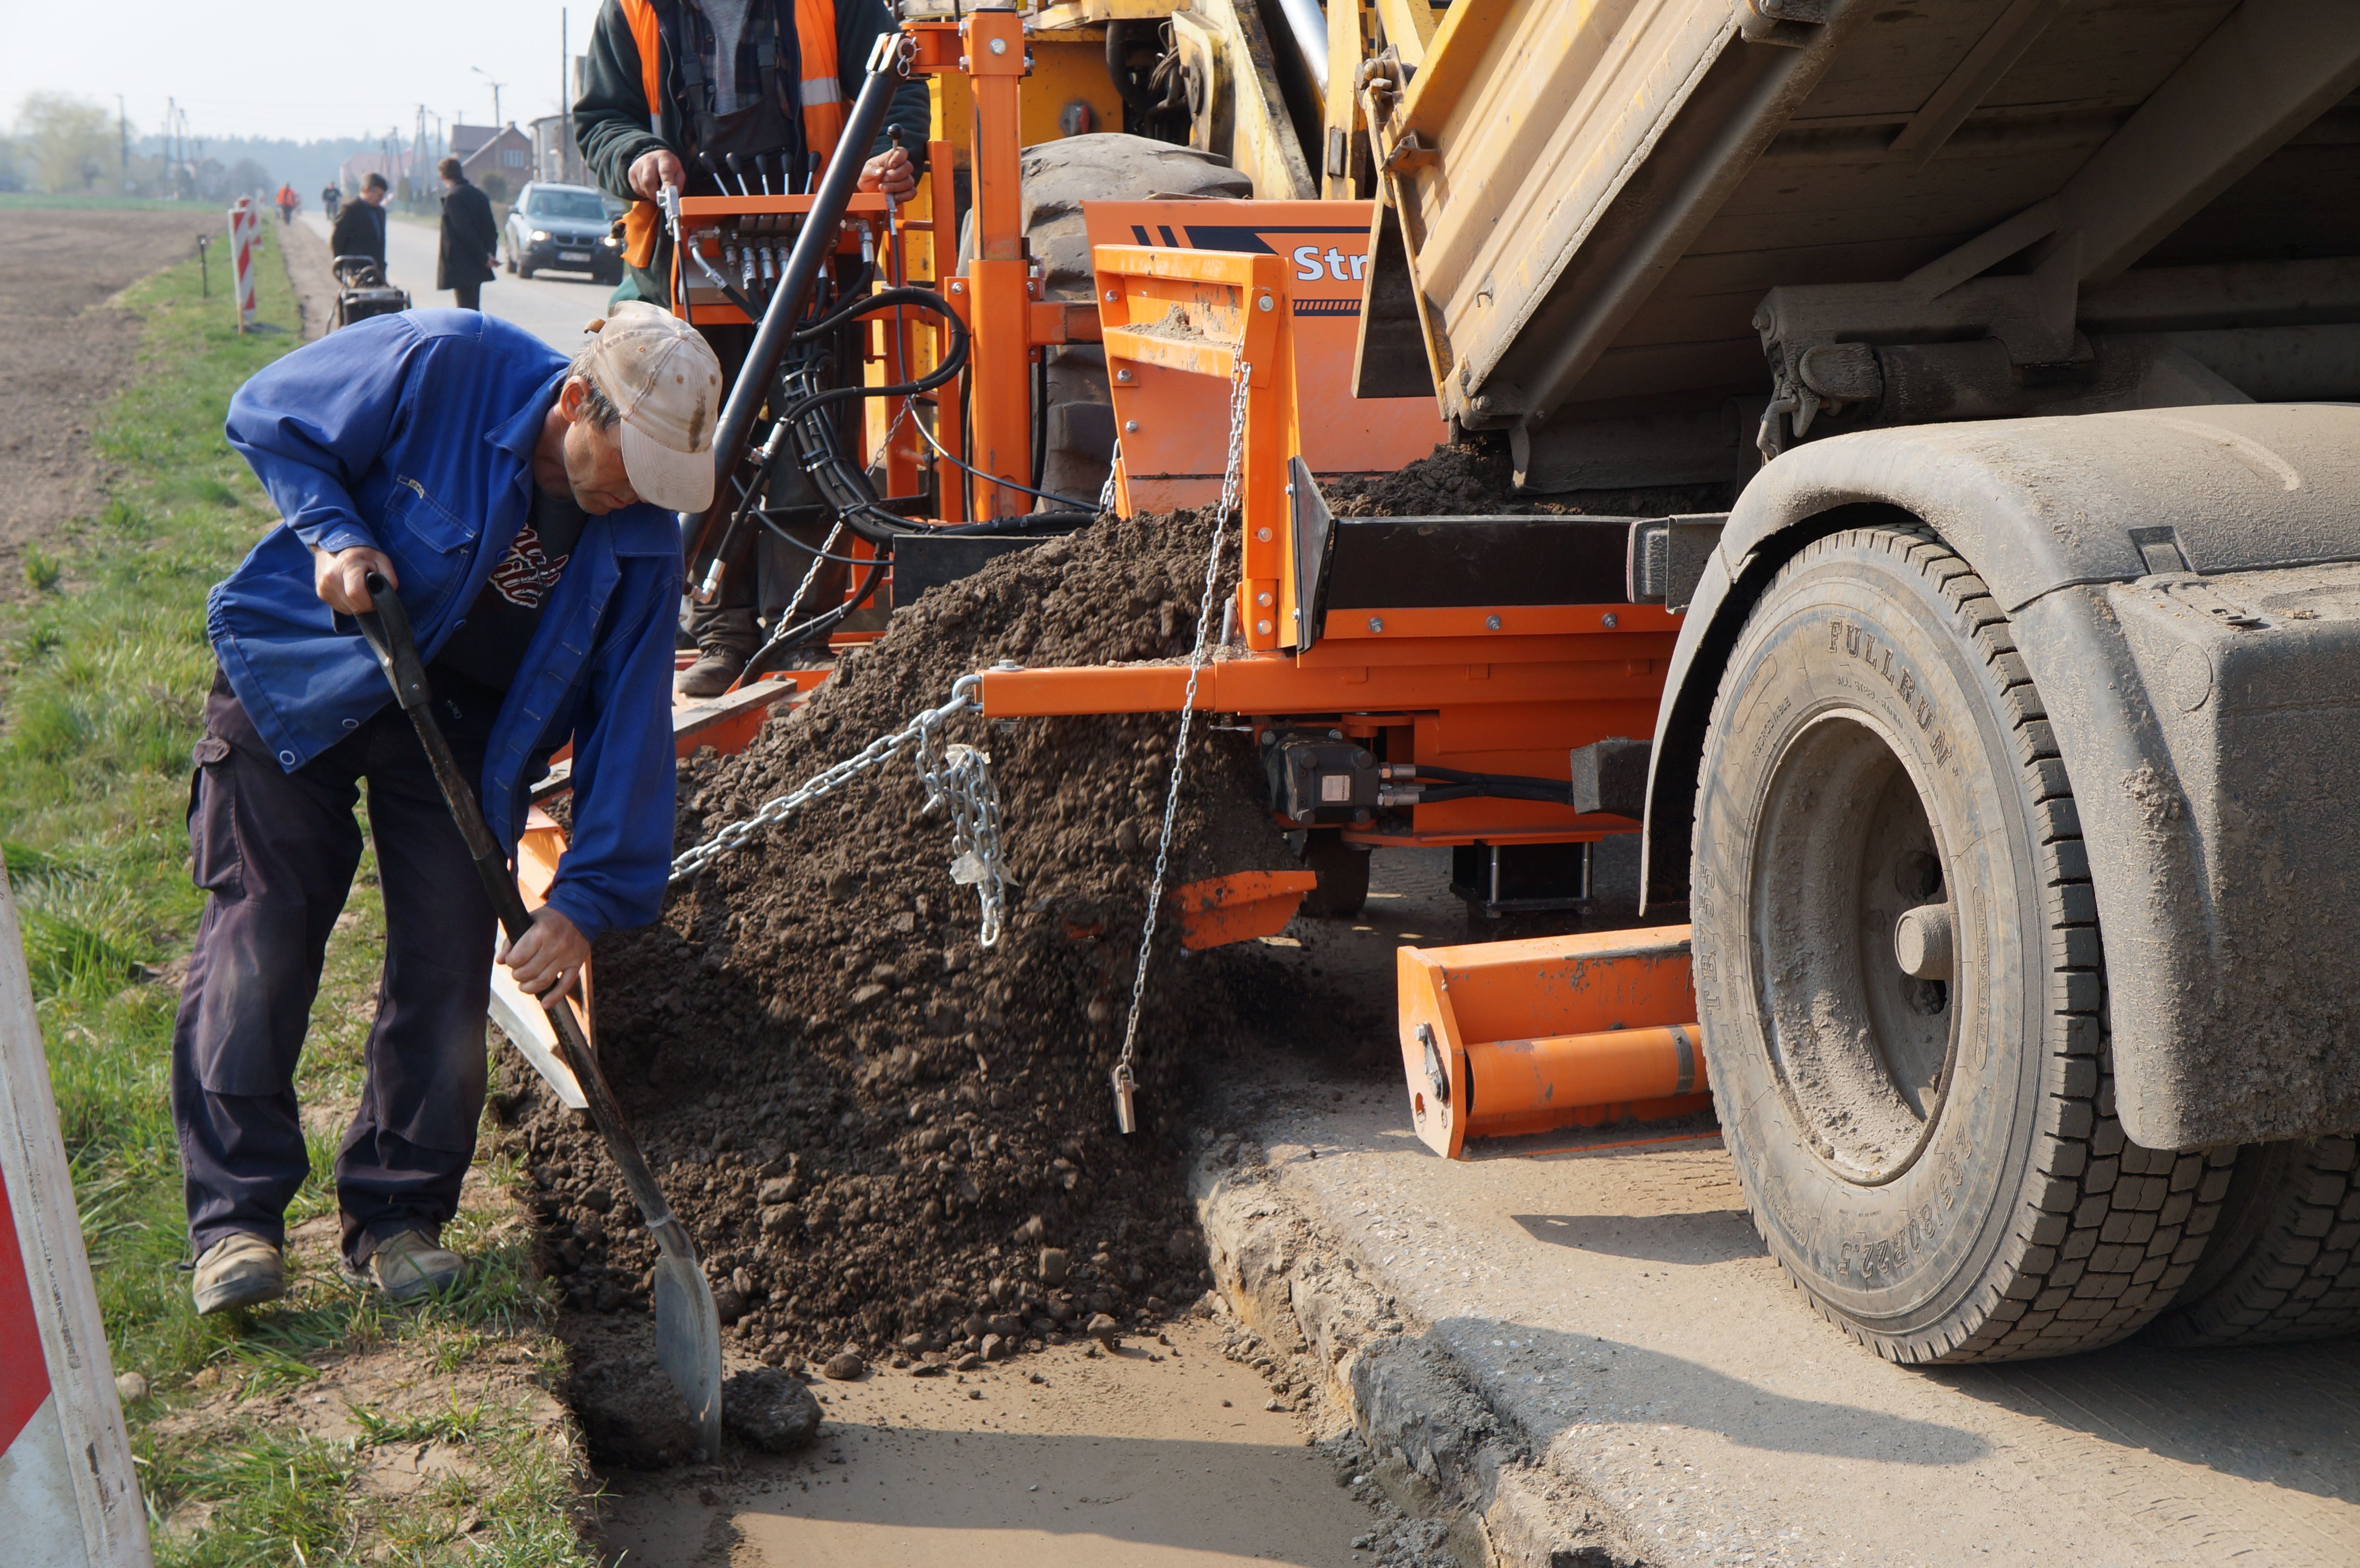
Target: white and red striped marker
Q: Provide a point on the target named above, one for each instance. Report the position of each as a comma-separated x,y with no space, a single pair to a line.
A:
244,228
67,1494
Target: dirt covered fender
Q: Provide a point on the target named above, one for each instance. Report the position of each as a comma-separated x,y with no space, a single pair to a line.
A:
2185,589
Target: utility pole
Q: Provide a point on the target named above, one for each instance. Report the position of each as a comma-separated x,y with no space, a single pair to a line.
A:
497,120
123,133
564,96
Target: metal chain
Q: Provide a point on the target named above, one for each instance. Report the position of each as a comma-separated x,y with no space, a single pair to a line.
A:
963,781
819,559
1125,1081
1114,466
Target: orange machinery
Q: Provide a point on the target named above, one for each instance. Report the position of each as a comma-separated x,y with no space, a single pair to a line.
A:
1413,681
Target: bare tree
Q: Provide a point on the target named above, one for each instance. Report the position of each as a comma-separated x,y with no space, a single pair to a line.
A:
70,142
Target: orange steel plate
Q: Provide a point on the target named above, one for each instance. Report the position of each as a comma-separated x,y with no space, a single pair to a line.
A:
1174,458
1240,906
1281,683
1493,993
539,849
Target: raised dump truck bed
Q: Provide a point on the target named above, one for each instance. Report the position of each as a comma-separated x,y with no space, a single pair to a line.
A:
1610,208
1998,360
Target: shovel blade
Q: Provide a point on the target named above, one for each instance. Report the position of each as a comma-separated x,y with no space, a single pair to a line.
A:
688,1342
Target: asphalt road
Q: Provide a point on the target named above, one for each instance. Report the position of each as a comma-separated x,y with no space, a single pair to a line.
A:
553,307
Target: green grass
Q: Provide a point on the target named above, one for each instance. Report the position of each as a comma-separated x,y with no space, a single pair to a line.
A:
103,676
40,198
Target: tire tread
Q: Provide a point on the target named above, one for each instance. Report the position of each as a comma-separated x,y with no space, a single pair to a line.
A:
2092,1258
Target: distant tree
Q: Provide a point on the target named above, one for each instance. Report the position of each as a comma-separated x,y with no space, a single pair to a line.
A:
247,178
72,142
12,161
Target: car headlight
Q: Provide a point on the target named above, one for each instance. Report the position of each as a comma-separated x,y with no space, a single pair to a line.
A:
538,236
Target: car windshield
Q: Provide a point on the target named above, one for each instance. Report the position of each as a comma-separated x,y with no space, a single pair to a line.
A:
579,206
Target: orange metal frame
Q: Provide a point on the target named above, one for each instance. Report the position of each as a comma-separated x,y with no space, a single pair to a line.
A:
1510,689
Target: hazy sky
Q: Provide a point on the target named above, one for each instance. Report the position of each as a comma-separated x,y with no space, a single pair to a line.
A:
300,68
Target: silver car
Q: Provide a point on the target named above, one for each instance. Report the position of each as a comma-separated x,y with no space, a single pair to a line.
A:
563,228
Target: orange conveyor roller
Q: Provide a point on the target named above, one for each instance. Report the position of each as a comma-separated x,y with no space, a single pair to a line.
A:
1507,1039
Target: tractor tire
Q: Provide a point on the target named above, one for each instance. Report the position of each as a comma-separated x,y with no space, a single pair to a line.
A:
2284,1260
1342,890
1932,1157
1059,177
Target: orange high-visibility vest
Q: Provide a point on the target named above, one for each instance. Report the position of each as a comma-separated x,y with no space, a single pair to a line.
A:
819,91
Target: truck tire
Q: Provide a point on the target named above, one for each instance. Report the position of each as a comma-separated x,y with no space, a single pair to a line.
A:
1059,177
1934,1161
2284,1260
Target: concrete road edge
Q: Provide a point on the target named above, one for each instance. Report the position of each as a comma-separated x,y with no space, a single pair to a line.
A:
1442,1451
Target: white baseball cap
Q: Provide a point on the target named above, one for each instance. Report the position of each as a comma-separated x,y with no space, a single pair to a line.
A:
663,379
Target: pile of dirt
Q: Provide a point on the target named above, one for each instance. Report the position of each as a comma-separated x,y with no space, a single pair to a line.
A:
1476,477
880,1133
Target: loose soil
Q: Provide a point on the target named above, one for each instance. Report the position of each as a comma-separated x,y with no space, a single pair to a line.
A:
882,1135
1476,477
66,356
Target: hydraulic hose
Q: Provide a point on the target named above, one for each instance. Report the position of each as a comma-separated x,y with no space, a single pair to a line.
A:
814,243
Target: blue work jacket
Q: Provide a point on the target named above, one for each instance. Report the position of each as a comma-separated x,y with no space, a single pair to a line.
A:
413,434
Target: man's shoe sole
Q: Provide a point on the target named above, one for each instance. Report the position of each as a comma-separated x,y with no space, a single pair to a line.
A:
238,1293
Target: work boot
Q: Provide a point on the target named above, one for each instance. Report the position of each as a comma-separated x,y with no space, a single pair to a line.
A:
409,1265
718,667
239,1271
726,639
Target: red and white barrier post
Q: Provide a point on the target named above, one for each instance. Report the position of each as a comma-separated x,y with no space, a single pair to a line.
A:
245,229
67,1494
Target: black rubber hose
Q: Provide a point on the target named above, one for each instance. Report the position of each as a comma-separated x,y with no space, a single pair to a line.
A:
1040,419
813,244
794,636
1459,785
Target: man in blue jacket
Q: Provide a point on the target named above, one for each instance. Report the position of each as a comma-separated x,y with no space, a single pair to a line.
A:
522,508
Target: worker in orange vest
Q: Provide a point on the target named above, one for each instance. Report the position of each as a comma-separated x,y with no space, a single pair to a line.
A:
288,202
672,91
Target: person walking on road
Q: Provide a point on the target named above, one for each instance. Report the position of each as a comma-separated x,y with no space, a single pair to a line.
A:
330,199
471,241
521,507
288,202
360,226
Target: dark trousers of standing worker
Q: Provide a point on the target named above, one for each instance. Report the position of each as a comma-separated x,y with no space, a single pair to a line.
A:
468,296
276,851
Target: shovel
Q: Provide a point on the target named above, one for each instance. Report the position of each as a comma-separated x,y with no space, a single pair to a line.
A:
688,1329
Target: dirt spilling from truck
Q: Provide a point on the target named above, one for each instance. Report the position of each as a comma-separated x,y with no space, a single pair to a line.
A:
1476,477
885,1137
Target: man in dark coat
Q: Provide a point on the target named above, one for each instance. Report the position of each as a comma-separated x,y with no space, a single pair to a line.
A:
360,223
471,241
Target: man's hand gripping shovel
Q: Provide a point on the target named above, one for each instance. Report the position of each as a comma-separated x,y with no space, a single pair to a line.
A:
688,1329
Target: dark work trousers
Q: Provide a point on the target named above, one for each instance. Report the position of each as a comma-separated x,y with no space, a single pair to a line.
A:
276,851
467,296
